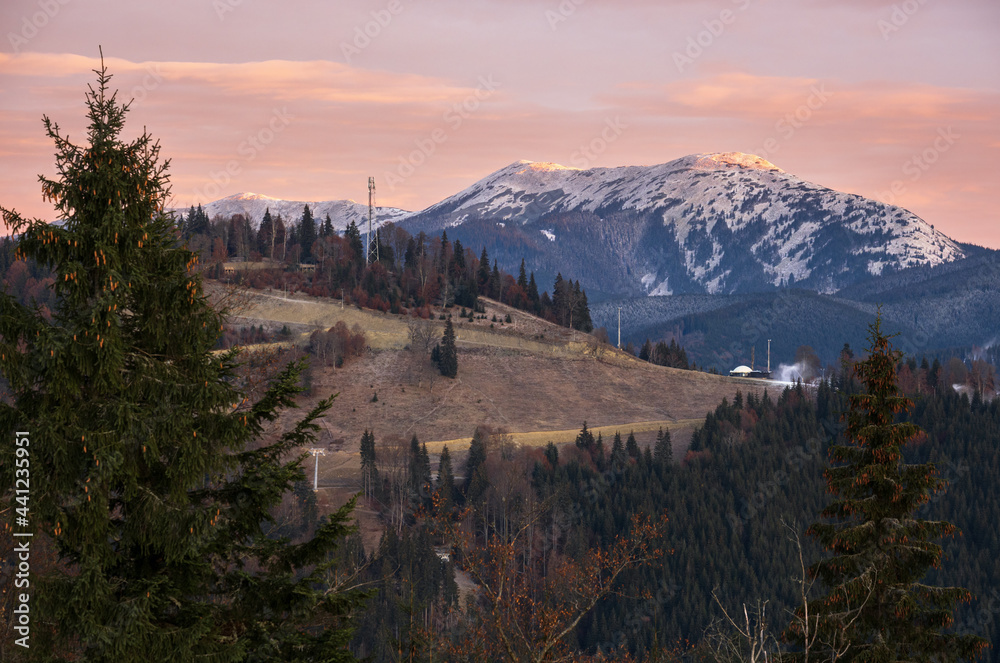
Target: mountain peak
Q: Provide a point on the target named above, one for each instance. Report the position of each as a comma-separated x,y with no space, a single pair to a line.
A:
540,166
713,222
717,160
249,195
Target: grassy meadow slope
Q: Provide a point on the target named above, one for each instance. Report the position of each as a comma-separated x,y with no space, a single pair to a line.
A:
538,381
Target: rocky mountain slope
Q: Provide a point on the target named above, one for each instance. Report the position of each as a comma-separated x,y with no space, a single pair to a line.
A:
708,223
705,223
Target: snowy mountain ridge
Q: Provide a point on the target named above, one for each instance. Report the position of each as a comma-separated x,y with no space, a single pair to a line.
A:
711,206
342,212
709,223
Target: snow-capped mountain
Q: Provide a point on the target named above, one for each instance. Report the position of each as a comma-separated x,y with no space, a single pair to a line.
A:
705,223
715,223
342,212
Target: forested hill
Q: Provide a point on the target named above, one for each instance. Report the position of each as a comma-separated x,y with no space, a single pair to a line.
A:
748,488
756,465
401,271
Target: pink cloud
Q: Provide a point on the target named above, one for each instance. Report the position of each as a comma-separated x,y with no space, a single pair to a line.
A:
346,122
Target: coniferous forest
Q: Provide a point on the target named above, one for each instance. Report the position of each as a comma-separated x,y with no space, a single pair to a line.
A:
738,506
172,520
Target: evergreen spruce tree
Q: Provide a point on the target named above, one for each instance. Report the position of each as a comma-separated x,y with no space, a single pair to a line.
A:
353,236
618,455
328,230
410,255
581,310
475,460
483,274
448,362
496,284
420,473
877,608
560,305
585,439
445,484
522,277
445,256
663,452
369,467
265,235
189,222
533,297
457,264
632,446
307,234
149,472
646,351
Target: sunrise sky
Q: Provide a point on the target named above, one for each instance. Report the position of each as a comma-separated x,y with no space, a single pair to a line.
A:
305,100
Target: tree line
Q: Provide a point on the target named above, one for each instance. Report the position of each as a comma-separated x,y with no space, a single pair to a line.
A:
412,272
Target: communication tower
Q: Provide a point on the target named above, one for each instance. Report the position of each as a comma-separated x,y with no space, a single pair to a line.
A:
371,250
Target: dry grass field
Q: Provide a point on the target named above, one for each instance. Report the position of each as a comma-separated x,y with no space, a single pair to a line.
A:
537,381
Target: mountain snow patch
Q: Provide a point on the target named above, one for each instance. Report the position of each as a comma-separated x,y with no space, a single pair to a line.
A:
551,235
661,290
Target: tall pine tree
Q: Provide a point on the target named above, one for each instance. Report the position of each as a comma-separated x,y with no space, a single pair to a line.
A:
353,236
445,489
307,234
369,467
448,358
265,235
877,608
663,452
149,471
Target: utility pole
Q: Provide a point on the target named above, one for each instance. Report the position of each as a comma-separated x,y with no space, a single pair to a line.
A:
316,454
769,357
619,327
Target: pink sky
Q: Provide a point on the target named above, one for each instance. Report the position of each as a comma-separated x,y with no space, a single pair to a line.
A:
896,101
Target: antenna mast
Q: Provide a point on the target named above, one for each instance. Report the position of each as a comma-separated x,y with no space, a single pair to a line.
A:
316,452
371,251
